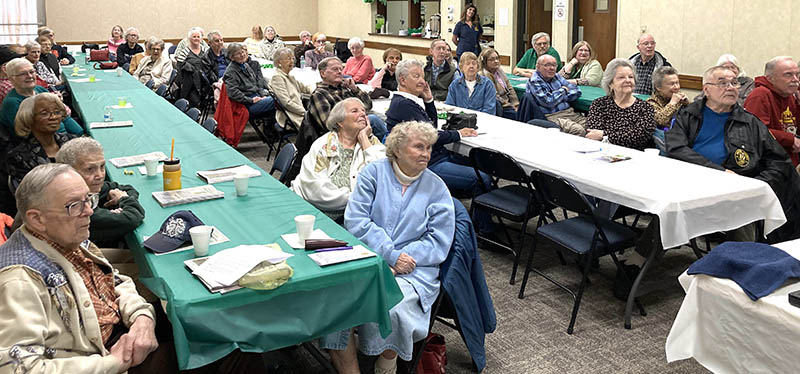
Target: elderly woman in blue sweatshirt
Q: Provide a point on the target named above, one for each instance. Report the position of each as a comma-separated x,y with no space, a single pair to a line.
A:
470,90
404,213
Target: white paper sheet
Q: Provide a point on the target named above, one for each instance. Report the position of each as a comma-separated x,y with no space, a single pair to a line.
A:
294,241
227,266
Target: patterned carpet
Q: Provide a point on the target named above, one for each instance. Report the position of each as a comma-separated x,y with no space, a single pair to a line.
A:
531,333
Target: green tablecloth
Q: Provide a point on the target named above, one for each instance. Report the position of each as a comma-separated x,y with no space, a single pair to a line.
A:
588,93
206,326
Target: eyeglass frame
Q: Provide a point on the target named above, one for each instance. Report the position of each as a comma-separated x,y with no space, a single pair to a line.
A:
91,198
724,85
48,114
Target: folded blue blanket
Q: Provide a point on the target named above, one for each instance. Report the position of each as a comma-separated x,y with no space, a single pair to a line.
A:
758,268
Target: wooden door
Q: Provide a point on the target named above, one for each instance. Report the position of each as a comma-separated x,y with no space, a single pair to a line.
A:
598,27
539,19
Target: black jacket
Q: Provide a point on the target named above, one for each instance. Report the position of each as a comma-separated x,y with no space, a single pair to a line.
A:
211,64
752,152
402,109
125,53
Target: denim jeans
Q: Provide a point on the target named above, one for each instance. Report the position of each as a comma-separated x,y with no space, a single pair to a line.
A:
260,108
378,126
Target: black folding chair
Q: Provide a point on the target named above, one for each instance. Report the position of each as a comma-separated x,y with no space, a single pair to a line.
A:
283,161
162,90
150,84
282,133
517,202
586,235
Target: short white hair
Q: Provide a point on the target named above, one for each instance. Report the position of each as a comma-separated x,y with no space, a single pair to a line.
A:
404,67
194,30
611,71
353,41
75,148
540,35
770,65
130,30
31,45
14,66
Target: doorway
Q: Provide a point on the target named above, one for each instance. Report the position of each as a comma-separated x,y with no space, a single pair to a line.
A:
597,24
539,17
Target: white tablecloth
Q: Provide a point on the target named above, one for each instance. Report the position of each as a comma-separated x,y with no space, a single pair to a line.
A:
727,332
690,200
306,76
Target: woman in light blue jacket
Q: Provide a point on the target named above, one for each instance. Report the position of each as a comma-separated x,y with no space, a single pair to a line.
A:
470,90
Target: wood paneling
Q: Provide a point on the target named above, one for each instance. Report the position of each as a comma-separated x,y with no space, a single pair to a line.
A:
599,29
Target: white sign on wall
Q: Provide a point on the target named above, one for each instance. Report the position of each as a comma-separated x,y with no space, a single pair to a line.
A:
560,10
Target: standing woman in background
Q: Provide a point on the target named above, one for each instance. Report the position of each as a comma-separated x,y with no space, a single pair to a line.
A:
115,41
468,31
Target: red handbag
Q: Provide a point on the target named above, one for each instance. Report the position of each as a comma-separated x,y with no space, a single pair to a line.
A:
98,55
105,65
434,356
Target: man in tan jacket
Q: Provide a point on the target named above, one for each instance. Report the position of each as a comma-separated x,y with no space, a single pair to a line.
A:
63,308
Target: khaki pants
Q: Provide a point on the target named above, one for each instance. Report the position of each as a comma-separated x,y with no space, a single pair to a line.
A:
570,121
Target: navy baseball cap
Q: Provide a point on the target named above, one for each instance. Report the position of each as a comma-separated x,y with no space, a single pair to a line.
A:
174,232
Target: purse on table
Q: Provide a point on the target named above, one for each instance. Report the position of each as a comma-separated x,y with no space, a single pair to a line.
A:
99,55
458,121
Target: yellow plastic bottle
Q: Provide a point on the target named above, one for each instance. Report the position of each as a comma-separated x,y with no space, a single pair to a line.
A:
172,174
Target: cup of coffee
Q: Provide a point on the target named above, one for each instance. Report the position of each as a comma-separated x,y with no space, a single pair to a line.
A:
151,164
305,226
240,182
201,236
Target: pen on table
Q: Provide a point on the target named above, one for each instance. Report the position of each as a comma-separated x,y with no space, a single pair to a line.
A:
334,249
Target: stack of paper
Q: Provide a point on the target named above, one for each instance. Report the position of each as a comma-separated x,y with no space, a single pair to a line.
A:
225,267
226,174
187,195
123,162
334,257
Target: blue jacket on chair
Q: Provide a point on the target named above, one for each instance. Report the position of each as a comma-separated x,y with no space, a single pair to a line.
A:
462,278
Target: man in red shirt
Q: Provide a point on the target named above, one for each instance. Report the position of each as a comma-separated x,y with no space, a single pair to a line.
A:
775,103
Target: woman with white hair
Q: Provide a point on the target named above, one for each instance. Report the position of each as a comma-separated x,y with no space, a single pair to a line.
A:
405,214
34,54
619,117
360,65
747,84
272,41
330,168
131,46
471,90
319,53
287,89
155,66
23,77
195,49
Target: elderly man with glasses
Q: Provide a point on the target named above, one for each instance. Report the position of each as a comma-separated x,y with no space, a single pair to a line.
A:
553,94
540,46
646,61
774,102
718,133
63,307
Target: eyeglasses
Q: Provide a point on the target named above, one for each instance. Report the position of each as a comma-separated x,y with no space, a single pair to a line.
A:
56,113
550,65
722,85
24,73
648,44
75,208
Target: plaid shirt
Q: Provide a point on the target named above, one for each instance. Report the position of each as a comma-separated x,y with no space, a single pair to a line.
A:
549,95
324,98
99,284
644,71
5,88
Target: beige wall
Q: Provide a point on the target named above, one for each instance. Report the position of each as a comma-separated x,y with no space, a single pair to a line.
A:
693,34
173,19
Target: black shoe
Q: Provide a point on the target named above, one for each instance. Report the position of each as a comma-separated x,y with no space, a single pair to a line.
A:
622,288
